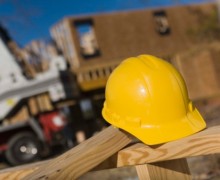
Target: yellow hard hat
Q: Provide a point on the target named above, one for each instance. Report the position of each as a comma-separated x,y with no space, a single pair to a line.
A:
147,97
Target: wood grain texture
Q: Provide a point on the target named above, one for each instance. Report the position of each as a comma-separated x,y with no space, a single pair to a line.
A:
20,172
16,175
166,170
203,143
96,150
84,157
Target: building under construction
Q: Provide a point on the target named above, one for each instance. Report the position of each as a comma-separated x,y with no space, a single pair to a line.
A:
94,45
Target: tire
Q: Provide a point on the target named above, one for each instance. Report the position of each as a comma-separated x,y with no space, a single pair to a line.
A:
23,148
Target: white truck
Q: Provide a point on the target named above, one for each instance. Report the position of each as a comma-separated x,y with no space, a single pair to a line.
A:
24,141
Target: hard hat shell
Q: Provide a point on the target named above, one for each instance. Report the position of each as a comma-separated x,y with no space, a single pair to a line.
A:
147,97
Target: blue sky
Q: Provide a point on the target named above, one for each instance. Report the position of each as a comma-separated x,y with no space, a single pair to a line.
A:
31,19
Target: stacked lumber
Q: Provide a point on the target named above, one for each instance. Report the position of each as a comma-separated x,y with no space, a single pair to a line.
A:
34,106
44,102
21,116
40,103
165,161
32,103
21,57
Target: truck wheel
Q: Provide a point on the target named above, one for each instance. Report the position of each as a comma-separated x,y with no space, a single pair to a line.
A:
23,148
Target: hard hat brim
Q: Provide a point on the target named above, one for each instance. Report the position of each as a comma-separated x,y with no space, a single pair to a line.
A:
157,134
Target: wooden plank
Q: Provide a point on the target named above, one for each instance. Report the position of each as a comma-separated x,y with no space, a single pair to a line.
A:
43,102
84,157
202,143
20,171
166,170
33,106
20,116
47,103
109,163
39,103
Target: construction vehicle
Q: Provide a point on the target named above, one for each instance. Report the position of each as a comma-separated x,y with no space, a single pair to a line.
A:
39,112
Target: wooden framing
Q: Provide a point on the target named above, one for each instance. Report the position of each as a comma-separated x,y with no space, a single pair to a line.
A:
129,33
166,170
120,35
105,151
